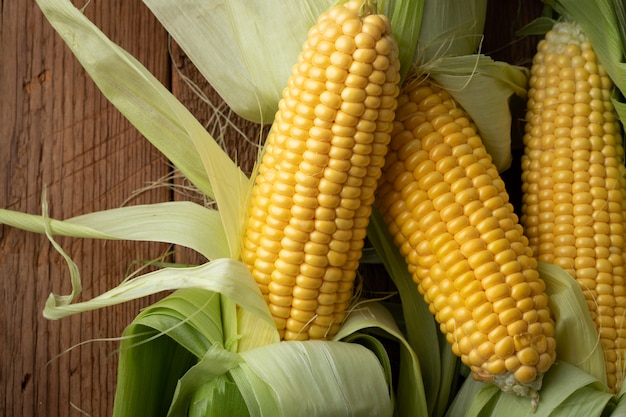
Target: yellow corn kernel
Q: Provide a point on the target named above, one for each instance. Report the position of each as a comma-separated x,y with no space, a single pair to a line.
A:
311,200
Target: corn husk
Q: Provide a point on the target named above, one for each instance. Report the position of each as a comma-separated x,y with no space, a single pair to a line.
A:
450,28
177,222
210,376
567,391
155,112
248,68
411,394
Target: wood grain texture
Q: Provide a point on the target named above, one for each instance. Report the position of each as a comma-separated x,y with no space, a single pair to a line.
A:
58,131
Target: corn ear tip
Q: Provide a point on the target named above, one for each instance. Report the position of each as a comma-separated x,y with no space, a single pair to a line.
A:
508,384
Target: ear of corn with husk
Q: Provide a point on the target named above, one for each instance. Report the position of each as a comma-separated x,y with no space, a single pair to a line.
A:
574,187
586,389
449,213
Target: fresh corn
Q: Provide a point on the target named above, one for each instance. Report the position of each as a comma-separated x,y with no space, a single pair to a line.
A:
312,198
448,211
574,181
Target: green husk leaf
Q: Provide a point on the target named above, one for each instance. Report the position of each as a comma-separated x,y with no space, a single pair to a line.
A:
270,380
148,370
230,189
234,45
191,322
473,399
448,51
217,398
421,329
619,404
190,316
150,107
566,391
539,26
256,392
160,346
619,8
483,87
74,272
567,303
450,28
450,375
406,23
216,363
586,401
411,396
316,378
252,330
178,222
225,276
374,344
369,314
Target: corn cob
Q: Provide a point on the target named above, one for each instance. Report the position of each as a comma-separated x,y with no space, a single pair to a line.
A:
312,198
574,186
448,211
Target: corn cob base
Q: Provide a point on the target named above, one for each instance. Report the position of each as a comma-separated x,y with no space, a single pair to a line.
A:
574,181
448,211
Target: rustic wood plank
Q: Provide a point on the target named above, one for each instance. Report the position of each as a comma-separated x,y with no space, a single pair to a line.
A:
58,131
